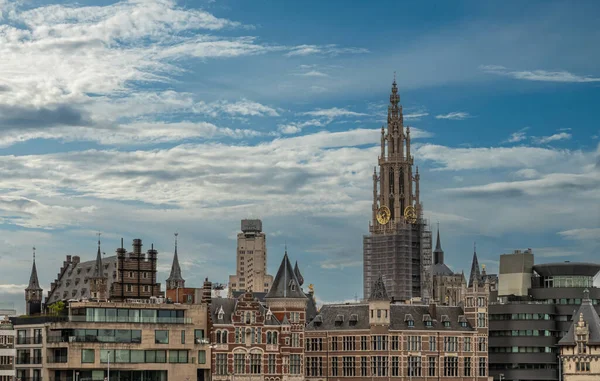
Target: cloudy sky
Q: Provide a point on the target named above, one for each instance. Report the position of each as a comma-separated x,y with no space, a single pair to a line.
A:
143,118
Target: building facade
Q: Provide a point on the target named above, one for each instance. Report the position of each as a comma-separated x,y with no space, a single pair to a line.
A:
580,347
7,349
379,338
255,340
29,347
525,330
117,278
399,244
448,288
251,265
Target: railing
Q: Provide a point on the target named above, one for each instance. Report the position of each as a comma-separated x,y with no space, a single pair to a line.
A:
132,319
6,367
89,339
28,360
58,359
29,340
7,346
28,379
62,378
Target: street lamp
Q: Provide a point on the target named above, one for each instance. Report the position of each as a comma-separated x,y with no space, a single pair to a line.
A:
500,376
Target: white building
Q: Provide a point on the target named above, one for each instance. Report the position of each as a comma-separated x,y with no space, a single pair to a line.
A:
7,346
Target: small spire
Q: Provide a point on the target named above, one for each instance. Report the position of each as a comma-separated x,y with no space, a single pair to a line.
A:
98,270
394,76
407,130
175,279
34,283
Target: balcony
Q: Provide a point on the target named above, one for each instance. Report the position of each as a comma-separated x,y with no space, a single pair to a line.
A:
129,319
63,359
89,339
28,360
29,340
7,367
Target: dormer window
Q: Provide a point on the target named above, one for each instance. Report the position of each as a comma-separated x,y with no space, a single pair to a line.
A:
408,319
269,315
445,321
427,320
220,313
292,285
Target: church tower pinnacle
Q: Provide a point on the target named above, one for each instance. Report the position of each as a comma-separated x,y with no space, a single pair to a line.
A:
99,280
175,280
33,292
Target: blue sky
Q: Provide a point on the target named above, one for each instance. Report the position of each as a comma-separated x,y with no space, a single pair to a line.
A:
143,118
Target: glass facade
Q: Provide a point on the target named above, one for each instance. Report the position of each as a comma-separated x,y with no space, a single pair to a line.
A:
127,315
561,281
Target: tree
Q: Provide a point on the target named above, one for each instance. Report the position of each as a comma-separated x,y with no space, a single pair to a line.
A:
57,308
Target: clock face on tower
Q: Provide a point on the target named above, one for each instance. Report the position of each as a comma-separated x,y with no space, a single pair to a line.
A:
410,214
383,215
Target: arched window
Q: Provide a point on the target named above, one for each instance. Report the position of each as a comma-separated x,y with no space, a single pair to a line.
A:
247,317
218,337
275,338
269,338
224,337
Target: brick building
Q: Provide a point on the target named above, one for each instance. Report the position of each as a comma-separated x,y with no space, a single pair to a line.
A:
379,338
255,340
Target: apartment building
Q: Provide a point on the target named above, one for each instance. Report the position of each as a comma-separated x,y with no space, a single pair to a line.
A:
7,348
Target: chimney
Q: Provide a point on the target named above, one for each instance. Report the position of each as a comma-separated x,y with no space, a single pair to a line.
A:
206,291
137,246
76,259
432,310
121,251
68,258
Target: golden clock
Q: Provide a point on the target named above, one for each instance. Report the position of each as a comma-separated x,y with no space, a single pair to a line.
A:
383,215
410,215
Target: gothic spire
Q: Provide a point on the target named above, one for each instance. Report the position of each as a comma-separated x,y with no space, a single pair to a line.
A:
298,274
34,283
175,275
378,291
98,270
475,272
285,284
438,253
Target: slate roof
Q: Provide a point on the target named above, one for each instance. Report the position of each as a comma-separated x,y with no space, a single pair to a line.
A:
311,306
399,312
74,283
441,269
229,306
286,284
590,316
475,272
175,275
34,283
298,274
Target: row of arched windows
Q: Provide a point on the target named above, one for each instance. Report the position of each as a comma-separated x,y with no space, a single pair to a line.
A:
221,337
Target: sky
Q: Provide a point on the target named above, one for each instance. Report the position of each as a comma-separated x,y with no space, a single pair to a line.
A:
143,118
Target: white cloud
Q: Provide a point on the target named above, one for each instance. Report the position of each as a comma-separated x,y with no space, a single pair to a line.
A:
458,115
581,234
313,73
518,136
243,107
538,75
12,288
294,128
330,50
333,112
415,115
527,173
553,138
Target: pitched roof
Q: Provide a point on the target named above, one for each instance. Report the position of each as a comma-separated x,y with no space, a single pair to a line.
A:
34,283
311,306
475,272
378,291
229,306
298,275
329,318
286,284
587,313
175,268
441,269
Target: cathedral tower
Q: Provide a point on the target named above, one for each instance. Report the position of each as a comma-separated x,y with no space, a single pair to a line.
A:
33,292
399,245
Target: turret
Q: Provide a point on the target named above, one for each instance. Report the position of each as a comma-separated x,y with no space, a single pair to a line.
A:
175,280
33,292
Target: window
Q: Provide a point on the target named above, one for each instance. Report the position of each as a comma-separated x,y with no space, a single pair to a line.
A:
199,334
238,335
178,357
481,301
271,364
414,366
395,344
334,343
582,366
379,366
106,355
161,337
296,340
183,337
295,317
295,364
314,366
481,344
467,366
482,367
349,343
364,366
348,369
334,366
432,366
221,365
239,363
128,288
364,343
450,344
201,357
272,337
395,366
450,366
432,344
414,343
314,344
131,274
88,356
379,343
255,363
467,344
481,319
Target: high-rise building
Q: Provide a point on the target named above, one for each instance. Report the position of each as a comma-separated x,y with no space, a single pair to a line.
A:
399,244
251,270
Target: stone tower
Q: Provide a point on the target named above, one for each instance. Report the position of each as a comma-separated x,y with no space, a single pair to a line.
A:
399,245
99,280
175,280
33,292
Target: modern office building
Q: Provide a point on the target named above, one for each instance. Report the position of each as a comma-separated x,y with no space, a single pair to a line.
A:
527,325
398,246
251,264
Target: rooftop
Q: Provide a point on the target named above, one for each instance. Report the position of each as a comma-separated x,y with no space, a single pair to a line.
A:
567,268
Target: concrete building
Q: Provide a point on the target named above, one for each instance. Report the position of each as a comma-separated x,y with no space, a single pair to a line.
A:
399,244
580,347
256,340
379,338
29,347
251,265
525,328
7,346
